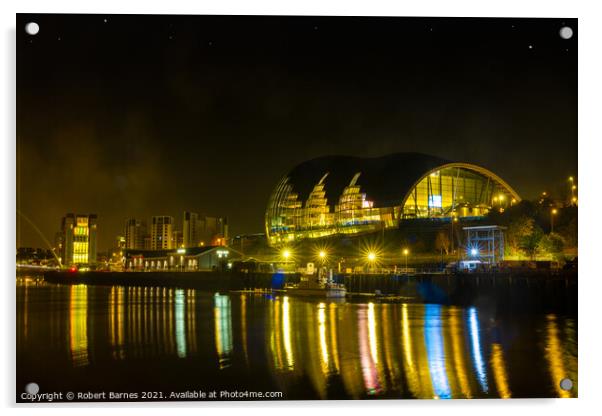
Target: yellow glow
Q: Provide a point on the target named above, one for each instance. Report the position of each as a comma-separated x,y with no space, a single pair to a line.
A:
554,211
322,331
406,251
286,254
371,256
372,333
501,197
322,254
243,326
286,329
78,324
333,336
571,178
554,355
457,343
574,187
574,199
499,371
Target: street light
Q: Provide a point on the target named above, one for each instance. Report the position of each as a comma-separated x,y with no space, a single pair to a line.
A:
286,254
405,253
553,212
371,259
322,255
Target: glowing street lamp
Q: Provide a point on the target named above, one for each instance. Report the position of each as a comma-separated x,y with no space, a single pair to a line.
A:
552,214
286,254
474,252
405,253
322,254
371,257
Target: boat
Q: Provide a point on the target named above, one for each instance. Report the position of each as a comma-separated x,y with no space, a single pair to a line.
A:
317,285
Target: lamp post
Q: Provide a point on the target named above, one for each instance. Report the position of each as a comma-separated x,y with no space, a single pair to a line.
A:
405,253
371,259
552,213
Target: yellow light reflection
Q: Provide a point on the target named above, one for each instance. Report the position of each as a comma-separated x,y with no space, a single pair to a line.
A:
243,326
457,341
368,351
554,356
499,371
322,333
78,325
333,336
286,329
372,333
223,329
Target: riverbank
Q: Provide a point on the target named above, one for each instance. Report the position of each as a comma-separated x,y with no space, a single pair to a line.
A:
518,291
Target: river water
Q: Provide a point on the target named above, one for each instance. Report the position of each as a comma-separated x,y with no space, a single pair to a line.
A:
169,343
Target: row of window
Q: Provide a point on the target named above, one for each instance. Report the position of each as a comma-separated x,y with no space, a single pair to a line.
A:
449,192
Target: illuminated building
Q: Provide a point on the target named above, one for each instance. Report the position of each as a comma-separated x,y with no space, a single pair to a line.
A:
182,259
177,239
485,243
161,233
342,195
120,240
135,231
79,239
190,229
198,230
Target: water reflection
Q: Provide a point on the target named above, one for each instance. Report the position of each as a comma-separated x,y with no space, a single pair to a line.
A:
457,335
322,349
435,352
78,324
223,328
499,371
561,363
476,351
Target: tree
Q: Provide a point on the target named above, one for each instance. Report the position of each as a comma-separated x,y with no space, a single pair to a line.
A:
442,241
529,243
552,244
518,229
568,233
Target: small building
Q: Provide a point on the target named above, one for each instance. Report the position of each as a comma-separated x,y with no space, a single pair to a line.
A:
78,237
182,259
485,243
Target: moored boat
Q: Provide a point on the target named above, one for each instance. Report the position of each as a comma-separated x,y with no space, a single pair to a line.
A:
317,285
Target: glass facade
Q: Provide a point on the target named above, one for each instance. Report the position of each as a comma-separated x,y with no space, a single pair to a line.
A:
455,189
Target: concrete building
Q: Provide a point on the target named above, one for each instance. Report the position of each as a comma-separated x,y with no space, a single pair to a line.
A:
177,239
78,239
161,233
191,229
202,230
185,260
135,231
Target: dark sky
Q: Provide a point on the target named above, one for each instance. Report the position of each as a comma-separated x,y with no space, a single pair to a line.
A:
153,115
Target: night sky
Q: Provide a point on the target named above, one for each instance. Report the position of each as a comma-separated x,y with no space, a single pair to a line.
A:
134,116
